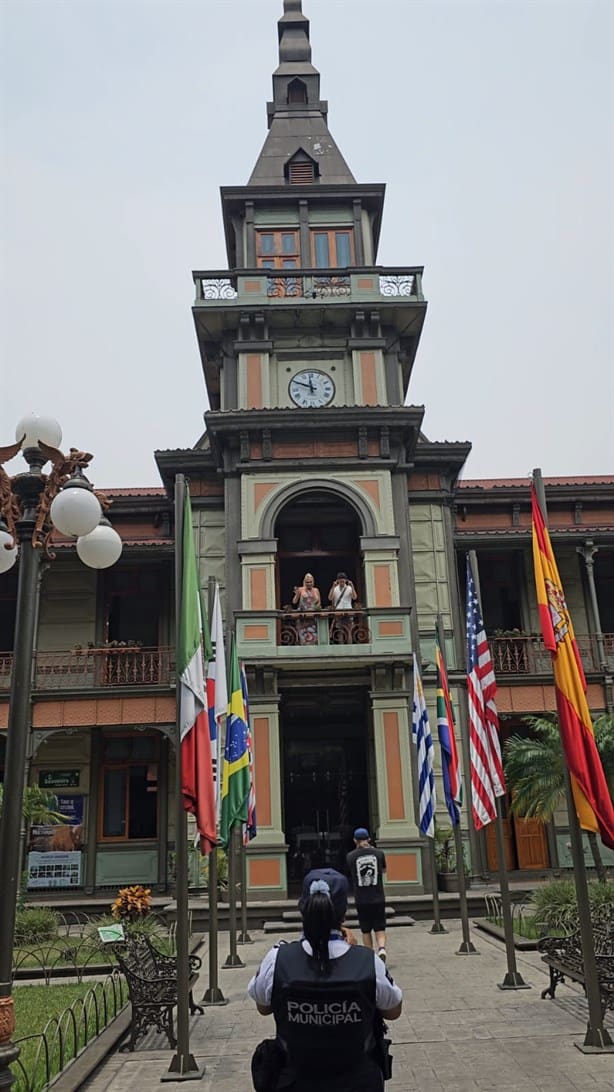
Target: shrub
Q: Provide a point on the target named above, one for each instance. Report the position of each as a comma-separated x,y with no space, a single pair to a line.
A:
131,903
35,924
556,904
146,925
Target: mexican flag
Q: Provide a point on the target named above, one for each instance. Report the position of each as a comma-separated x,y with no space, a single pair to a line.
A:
196,768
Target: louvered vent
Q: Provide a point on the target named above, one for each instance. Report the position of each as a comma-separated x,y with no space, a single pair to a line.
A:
301,173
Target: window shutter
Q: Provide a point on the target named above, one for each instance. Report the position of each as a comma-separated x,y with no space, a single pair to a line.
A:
301,173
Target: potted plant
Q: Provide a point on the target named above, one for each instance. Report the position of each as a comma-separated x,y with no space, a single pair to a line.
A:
445,859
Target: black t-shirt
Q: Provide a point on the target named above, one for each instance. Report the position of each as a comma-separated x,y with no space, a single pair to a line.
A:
366,866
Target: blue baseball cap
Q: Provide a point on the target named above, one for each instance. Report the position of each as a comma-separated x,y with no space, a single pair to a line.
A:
360,834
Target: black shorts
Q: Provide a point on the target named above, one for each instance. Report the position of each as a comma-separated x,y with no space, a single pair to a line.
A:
372,917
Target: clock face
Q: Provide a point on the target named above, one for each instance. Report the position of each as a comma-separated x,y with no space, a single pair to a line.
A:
311,388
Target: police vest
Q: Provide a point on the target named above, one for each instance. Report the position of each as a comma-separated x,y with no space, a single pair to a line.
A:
325,1021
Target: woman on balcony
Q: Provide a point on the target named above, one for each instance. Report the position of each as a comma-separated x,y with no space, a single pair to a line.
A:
307,599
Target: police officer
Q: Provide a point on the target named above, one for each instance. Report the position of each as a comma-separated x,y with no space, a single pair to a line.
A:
328,998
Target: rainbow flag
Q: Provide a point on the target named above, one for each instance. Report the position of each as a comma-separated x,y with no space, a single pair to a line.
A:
592,799
452,780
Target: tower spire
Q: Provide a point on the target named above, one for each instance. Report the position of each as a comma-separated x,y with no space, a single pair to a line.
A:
297,116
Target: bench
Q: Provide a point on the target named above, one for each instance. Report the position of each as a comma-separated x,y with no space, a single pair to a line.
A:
151,977
563,956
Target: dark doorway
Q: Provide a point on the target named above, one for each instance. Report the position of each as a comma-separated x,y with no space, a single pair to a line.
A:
317,533
325,783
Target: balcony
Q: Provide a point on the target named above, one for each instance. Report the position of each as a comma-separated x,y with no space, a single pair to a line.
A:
96,668
351,635
267,285
527,655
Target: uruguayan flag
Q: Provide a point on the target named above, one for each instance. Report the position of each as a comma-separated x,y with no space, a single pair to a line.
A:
421,733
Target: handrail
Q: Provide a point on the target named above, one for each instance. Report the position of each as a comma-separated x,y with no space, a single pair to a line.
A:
90,668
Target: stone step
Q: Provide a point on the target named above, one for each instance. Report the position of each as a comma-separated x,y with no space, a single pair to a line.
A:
295,915
286,926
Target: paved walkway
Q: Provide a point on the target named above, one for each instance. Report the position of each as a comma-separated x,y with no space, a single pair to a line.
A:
458,1031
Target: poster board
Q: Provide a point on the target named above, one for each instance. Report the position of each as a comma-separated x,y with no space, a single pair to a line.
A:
55,857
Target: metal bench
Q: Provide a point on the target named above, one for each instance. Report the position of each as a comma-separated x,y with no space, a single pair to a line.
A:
152,986
563,956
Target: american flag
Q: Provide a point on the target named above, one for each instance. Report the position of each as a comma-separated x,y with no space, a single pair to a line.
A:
250,828
487,780
452,779
421,732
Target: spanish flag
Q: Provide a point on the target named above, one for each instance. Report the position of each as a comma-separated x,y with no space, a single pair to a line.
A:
590,790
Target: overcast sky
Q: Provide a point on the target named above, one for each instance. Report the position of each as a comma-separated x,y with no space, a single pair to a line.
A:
492,124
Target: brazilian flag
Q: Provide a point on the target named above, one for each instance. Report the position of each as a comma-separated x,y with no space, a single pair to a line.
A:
235,768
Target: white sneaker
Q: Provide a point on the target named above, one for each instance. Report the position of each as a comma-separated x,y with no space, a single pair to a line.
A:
382,954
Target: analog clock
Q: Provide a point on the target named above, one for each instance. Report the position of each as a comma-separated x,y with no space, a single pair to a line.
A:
311,388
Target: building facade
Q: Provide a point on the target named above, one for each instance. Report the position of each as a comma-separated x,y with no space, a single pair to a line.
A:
313,461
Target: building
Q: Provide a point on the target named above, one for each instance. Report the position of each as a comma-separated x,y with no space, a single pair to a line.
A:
311,461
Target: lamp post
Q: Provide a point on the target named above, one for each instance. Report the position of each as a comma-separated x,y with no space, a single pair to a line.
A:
31,505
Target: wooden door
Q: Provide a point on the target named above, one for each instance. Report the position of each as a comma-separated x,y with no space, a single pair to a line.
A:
492,857
531,843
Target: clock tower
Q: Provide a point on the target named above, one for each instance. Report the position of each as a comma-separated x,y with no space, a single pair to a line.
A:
307,347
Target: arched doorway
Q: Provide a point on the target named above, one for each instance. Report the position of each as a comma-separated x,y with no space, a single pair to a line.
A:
317,532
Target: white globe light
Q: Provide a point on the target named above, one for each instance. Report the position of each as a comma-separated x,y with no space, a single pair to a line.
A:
101,548
38,428
8,552
75,510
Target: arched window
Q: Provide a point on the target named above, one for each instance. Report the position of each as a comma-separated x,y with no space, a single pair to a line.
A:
297,92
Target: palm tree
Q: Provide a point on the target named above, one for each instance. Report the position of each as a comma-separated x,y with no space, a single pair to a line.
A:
39,806
534,770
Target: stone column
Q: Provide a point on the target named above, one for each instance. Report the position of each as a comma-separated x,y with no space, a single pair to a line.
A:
397,833
266,862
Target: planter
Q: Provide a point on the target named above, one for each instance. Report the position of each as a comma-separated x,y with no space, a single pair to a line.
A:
448,881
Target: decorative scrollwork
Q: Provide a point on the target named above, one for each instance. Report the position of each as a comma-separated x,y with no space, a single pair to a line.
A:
217,288
10,508
280,286
64,467
288,634
331,286
399,285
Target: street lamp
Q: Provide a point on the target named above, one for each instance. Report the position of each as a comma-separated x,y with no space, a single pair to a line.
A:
31,505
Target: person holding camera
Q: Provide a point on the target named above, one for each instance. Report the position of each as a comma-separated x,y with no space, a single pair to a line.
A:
329,999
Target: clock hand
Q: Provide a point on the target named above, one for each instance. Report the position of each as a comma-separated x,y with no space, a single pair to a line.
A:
299,383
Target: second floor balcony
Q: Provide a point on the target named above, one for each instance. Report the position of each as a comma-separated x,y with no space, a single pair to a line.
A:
220,287
524,654
96,668
294,635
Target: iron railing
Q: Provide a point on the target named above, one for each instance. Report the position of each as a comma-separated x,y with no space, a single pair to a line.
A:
229,285
47,1053
89,668
527,654
324,627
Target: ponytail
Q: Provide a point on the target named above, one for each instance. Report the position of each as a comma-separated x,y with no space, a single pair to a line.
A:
318,920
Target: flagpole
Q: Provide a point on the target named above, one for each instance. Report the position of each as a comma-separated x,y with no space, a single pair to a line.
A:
213,994
233,959
183,1065
437,926
513,980
597,1038
244,937
467,947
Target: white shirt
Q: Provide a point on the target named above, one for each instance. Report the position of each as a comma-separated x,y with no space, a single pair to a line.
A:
260,988
342,597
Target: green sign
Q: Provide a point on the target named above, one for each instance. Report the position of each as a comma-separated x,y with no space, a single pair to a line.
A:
110,934
58,779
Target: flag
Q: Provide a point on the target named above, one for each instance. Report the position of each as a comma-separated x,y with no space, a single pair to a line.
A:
452,782
251,827
235,768
590,789
217,693
487,779
421,732
195,744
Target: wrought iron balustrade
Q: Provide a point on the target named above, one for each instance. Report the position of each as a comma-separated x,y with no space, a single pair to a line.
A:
324,627
88,668
229,285
524,654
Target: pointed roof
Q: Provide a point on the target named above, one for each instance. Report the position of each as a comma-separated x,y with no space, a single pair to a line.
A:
297,116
